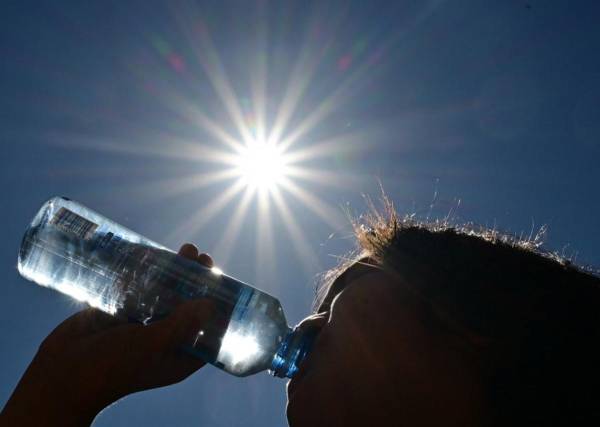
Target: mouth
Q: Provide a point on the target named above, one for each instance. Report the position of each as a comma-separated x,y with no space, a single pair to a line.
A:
314,326
298,378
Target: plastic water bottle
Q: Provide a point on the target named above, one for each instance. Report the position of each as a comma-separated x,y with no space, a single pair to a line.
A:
78,252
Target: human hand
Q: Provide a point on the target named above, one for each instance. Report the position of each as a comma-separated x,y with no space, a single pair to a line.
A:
93,359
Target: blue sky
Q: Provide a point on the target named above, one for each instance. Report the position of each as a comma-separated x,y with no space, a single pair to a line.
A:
485,111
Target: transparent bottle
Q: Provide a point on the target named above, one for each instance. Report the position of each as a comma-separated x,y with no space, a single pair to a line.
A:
78,252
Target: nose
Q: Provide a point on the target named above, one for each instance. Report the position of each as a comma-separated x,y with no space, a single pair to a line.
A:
313,323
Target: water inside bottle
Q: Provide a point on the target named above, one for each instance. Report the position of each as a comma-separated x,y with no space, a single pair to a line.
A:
94,260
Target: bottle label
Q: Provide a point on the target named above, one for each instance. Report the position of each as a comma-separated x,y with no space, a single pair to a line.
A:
69,222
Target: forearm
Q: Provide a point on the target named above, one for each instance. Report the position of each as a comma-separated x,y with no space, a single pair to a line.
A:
41,399
31,411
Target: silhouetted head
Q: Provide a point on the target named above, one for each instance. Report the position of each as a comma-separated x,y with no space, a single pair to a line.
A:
435,325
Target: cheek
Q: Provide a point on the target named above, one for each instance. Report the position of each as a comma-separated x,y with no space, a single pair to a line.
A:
373,337
354,341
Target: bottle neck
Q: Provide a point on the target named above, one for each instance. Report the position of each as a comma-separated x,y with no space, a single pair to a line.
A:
291,353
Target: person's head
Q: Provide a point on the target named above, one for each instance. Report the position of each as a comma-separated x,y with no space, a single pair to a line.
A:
432,325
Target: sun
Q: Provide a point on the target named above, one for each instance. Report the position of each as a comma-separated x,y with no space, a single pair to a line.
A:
269,155
261,165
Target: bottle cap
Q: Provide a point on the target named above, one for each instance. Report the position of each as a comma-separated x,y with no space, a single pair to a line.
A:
292,352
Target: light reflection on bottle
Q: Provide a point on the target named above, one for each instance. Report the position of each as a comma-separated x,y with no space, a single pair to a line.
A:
78,252
237,347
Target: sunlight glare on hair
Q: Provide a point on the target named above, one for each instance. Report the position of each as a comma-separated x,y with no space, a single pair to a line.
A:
261,165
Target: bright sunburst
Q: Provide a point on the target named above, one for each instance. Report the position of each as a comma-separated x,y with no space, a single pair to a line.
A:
261,165
260,152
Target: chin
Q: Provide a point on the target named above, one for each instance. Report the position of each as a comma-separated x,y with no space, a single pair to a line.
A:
300,409
302,417
322,417
294,414
293,409
310,410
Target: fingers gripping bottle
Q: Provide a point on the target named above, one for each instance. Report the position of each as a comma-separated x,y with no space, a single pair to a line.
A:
78,252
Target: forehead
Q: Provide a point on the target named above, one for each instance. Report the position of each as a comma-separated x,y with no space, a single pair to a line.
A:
357,270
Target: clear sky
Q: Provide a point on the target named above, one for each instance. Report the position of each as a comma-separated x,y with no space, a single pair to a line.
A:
486,112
